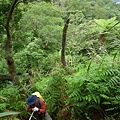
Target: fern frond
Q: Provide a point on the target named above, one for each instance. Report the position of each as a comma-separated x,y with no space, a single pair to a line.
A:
88,98
104,96
109,72
76,95
114,81
106,103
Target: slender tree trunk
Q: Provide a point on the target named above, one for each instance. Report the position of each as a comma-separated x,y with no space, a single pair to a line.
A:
8,56
64,43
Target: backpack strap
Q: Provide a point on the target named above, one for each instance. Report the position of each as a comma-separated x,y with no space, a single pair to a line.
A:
39,102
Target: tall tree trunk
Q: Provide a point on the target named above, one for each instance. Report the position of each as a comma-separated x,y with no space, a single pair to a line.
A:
64,43
8,56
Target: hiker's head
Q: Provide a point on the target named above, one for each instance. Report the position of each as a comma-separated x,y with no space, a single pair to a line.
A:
31,99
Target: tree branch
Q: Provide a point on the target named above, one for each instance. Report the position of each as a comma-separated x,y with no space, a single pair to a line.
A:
6,77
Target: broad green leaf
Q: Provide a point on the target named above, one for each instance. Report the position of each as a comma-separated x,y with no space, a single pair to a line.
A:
8,113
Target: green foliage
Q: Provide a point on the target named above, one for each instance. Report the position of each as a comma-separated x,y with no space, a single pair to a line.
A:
3,66
89,86
40,35
13,99
107,24
55,92
90,91
89,9
4,8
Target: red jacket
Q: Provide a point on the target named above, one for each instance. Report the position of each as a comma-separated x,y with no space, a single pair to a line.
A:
42,107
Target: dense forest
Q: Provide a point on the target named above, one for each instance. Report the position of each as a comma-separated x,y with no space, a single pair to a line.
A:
68,50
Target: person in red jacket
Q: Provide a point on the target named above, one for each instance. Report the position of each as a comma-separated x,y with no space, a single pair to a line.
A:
37,106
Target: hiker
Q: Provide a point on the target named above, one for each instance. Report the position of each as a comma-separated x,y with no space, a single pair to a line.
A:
36,106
